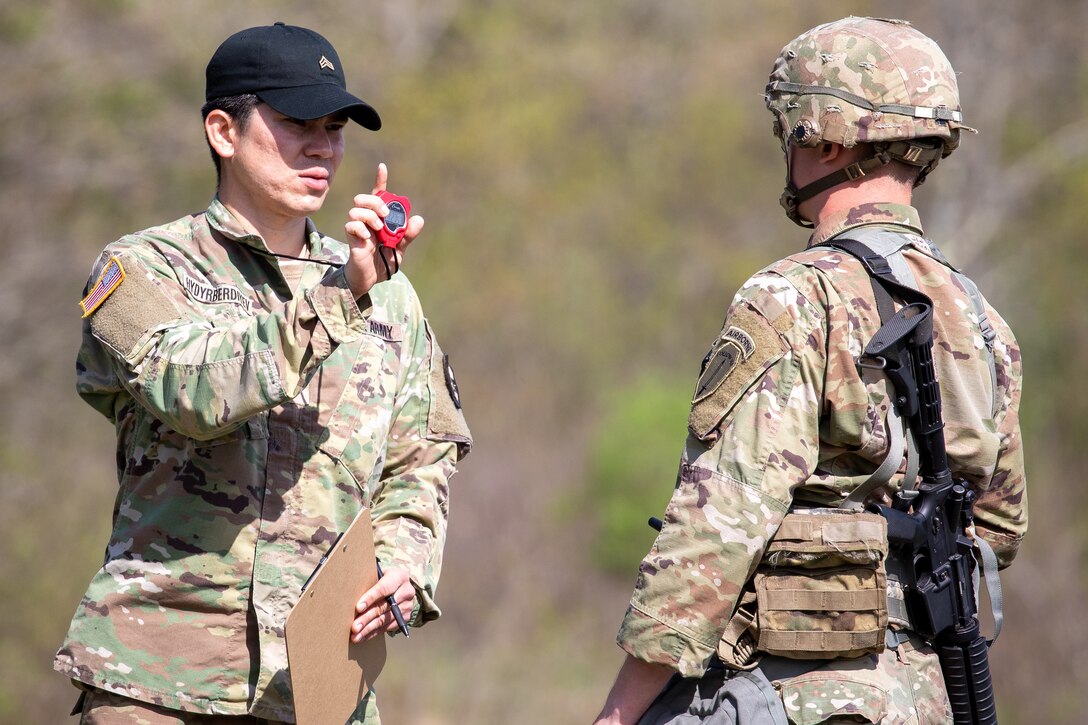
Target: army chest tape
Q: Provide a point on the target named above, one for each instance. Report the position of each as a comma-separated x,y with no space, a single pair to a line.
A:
821,590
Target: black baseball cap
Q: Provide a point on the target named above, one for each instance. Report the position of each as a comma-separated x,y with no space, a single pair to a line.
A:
294,70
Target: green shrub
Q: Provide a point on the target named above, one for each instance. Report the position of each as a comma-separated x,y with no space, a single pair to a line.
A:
633,460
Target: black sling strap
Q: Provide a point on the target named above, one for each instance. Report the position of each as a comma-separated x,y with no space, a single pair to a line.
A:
885,286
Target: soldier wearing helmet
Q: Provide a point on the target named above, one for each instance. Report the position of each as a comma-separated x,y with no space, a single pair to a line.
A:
862,81
788,436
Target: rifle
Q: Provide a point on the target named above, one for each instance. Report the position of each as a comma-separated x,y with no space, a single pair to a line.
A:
930,551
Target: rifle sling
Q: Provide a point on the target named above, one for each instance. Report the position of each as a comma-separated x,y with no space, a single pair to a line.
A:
885,286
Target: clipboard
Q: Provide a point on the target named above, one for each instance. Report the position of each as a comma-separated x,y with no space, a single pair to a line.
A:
329,673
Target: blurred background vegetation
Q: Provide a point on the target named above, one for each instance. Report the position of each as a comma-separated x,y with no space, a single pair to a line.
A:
598,178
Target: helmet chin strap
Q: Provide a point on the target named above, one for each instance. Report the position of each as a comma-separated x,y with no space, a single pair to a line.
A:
792,197
917,152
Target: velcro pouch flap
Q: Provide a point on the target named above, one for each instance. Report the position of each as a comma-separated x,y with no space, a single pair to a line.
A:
821,588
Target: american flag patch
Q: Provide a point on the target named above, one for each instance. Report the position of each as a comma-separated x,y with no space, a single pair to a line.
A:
108,281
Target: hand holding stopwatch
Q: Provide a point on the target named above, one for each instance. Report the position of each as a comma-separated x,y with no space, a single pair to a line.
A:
395,223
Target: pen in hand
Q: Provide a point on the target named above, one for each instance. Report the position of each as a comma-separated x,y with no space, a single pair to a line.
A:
393,605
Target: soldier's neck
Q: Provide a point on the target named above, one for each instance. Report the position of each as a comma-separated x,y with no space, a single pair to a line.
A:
282,233
877,190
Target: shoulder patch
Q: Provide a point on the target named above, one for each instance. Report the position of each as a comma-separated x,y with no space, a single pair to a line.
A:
122,320
747,347
451,382
732,348
445,420
113,274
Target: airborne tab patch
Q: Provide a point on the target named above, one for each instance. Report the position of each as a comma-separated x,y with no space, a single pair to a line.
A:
747,347
733,347
111,278
742,340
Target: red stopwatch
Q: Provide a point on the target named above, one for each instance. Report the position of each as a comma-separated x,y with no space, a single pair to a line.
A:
395,223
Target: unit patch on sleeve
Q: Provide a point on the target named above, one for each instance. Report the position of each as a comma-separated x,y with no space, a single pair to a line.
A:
126,313
111,278
747,347
451,382
445,420
733,347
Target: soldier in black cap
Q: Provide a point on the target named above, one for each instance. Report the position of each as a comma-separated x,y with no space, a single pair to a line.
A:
266,383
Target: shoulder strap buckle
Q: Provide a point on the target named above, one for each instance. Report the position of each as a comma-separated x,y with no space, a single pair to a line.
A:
876,265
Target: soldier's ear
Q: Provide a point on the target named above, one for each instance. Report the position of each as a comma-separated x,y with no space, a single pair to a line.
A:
222,132
829,152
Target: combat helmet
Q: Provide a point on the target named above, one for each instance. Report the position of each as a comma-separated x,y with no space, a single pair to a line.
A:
864,80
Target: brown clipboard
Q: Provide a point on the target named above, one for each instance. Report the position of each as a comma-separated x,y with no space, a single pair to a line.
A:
329,673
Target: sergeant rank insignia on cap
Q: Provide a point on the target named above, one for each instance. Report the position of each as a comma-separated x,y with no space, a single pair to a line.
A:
110,279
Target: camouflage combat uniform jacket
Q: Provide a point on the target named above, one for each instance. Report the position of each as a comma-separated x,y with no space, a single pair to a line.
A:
793,421
253,423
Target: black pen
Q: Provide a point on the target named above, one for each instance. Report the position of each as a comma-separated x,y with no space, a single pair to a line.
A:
323,560
393,605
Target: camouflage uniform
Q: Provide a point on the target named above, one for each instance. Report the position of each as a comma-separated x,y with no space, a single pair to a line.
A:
253,423
793,422
782,419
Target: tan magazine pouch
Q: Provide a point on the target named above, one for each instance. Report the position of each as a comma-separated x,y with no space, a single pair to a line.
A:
821,588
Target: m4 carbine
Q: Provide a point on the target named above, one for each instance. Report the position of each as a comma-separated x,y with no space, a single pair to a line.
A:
929,549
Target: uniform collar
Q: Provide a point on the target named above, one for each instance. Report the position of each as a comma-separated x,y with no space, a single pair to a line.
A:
901,215
223,221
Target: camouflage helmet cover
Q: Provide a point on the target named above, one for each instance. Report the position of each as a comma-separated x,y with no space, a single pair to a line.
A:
864,80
